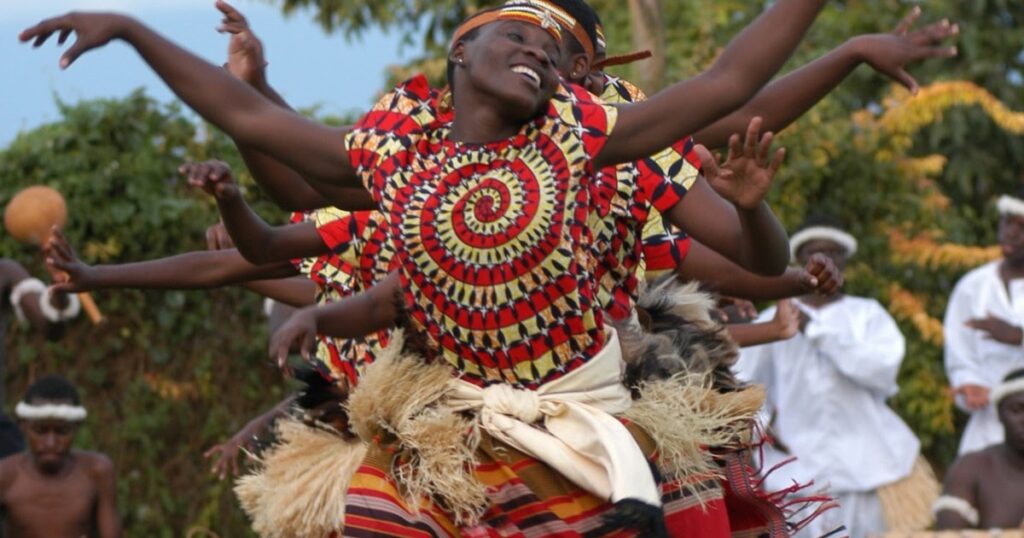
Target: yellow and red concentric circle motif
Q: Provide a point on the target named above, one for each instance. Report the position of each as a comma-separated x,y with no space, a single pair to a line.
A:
492,238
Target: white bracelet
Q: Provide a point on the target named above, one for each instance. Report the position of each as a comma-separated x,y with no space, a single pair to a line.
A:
20,290
56,316
958,506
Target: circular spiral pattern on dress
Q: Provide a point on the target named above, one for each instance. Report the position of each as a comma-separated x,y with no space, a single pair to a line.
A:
491,223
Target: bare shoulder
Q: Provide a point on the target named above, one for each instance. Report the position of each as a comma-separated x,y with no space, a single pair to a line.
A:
967,467
97,464
9,467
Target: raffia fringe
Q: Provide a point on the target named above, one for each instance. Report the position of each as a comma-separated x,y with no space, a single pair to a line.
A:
298,488
399,401
907,504
685,416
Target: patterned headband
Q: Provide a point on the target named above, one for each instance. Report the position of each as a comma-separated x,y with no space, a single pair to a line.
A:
537,12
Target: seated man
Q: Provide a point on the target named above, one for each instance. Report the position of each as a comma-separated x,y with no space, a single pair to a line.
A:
983,489
51,490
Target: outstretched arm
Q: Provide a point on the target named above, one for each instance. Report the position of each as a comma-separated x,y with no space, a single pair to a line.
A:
785,100
258,242
750,60
225,455
727,278
285,186
783,326
297,291
373,310
193,270
311,149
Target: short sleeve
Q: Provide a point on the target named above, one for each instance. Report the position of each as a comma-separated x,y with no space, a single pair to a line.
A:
385,134
667,176
586,115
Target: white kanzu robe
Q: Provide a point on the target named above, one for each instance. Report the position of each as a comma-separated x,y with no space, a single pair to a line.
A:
973,359
828,388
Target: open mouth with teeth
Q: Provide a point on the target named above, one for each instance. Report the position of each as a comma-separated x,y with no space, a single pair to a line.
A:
529,74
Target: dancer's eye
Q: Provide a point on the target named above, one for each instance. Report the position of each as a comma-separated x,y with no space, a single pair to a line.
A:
517,37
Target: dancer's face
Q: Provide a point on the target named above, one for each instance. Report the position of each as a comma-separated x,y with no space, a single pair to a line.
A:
1011,238
511,64
1011,414
49,440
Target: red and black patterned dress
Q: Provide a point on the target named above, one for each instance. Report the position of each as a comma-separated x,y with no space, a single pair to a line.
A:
359,256
496,259
631,233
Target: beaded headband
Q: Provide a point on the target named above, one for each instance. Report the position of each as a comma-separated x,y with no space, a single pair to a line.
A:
537,12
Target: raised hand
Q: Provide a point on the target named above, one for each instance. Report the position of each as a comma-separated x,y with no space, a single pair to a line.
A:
298,332
747,174
890,53
70,274
213,176
245,51
821,276
998,329
92,30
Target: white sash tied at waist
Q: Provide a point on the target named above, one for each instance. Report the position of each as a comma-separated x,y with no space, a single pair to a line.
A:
580,438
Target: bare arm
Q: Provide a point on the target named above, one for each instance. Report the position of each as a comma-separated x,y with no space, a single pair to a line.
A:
257,241
785,100
750,60
192,270
108,521
352,317
961,483
727,278
311,149
297,291
11,273
225,455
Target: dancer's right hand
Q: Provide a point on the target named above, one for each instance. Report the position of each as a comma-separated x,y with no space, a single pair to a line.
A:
975,396
298,332
92,30
821,276
74,274
213,176
245,51
218,238
225,455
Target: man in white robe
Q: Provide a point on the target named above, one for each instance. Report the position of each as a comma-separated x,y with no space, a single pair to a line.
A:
983,321
828,387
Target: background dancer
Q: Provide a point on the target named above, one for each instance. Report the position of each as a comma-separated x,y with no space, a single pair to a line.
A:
52,490
983,329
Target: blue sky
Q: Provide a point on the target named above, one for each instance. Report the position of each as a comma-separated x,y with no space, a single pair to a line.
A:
307,66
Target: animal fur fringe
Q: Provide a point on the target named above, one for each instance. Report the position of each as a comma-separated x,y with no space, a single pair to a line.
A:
907,504
680,337
298,488
399,401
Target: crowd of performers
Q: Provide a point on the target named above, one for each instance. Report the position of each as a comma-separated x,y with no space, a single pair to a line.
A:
504,295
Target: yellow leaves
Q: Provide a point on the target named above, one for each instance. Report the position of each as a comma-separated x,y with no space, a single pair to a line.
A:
926,252
905,113
929,166
906,306
170,389
102,252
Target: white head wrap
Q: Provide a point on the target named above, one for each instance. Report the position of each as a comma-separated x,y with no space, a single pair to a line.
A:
70,413
1009,205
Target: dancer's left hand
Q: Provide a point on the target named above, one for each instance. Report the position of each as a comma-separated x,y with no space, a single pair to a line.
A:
299,331
92,30
747,174
822,276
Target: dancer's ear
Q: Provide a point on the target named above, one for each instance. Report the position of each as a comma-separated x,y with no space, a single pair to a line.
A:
579,68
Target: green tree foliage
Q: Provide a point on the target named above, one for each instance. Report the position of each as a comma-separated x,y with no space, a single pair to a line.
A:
170,373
